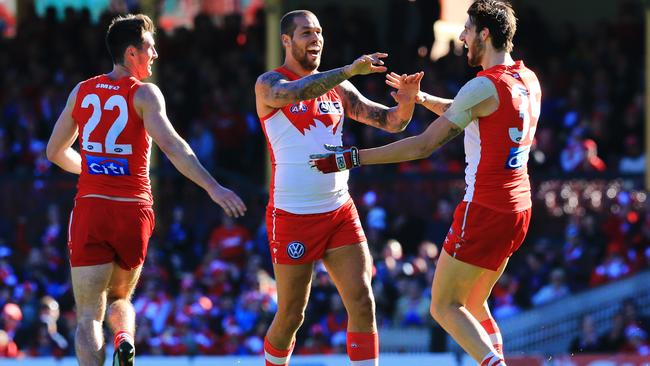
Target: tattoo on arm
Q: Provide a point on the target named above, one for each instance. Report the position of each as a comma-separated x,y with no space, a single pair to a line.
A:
364,112
306,88
453,132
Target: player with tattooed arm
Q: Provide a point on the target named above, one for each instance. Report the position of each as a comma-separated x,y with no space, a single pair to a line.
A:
311,216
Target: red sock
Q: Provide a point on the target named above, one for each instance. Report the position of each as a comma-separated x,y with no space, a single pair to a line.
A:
363,348
493,331
122,336
492,360
275,357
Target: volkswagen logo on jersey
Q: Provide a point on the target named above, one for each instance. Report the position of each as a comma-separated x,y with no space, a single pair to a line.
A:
298,108
329,107
295,249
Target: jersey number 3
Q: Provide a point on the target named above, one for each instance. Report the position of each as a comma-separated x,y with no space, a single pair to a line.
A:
518,156
115,101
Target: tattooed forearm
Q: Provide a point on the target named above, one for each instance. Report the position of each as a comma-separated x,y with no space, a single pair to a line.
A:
380,116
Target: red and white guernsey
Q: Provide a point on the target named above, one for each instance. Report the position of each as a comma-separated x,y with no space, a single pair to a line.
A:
497,146
115,147
293,133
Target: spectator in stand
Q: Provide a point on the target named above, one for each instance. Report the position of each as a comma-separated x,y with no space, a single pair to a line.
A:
633,160
412,308
556,289
8,348
231,241
592,162
587,341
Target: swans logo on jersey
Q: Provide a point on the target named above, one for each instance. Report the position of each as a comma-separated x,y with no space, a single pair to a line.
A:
296,249
329,107
107,166
518,157
298,108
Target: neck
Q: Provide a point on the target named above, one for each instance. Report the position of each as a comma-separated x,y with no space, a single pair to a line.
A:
493,57
121,71
294,66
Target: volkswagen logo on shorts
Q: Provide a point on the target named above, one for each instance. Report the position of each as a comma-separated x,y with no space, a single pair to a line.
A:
295,250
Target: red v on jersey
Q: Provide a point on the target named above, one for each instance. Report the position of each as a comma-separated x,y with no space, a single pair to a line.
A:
305,115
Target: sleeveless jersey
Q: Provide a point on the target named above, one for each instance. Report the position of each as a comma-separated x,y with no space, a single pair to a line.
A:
114,145
293,133
497,146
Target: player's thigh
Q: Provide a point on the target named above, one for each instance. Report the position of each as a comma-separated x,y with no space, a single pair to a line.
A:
133,225
453,280
293,282
123,282
89,285
478,296
350,267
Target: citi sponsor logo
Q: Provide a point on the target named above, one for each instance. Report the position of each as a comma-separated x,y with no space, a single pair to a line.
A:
107,166
330,107
107,86
299,108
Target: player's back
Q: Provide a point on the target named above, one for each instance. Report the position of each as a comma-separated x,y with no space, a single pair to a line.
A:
497,146
114,144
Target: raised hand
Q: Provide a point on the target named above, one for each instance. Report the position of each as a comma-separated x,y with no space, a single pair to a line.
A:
228,200
368,64
340,158
408,87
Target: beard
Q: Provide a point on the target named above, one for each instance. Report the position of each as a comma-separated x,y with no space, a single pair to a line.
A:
303,58
477,50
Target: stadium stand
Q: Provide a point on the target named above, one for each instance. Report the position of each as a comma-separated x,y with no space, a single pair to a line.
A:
591,224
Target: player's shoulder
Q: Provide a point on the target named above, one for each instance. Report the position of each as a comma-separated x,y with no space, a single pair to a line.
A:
269,78
478,85
147,92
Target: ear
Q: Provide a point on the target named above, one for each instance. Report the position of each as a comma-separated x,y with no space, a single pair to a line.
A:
485,33
130,51
286,40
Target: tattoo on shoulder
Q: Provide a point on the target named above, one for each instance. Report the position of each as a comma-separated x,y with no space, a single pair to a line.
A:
270,79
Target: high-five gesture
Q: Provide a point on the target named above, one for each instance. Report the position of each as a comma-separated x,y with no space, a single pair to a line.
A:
408,86
367,64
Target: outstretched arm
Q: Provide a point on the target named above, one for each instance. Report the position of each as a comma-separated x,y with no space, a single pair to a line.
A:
477,98
374,114
59,147
150,101
421,146
435,104
275,91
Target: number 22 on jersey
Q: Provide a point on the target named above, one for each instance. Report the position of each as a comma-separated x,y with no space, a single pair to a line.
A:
118,125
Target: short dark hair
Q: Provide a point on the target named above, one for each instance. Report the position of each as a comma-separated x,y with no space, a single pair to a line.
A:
287,23
124,31
498,17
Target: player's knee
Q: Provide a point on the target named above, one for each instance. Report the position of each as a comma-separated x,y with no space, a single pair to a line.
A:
362,304
440,306
290,321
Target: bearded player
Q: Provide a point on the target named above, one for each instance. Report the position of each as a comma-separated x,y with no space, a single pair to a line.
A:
311,216
498,110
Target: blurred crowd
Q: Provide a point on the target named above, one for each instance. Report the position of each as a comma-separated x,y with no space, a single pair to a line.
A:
207,285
